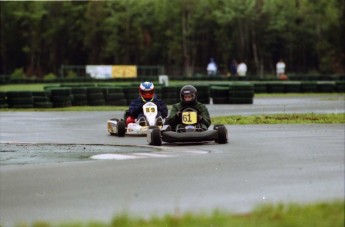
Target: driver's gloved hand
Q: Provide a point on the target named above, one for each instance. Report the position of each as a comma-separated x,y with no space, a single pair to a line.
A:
199,118
178,114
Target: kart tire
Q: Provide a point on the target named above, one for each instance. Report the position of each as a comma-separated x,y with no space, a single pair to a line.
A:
156,139
121,129
222,136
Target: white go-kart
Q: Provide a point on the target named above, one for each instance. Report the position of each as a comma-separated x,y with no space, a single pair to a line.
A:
117,127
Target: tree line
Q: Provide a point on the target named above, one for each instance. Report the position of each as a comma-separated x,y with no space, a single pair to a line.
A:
181,35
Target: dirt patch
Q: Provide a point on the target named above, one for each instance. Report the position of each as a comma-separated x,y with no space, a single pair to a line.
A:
27,153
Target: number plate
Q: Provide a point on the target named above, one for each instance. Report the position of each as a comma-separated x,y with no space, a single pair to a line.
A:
150,110
189,118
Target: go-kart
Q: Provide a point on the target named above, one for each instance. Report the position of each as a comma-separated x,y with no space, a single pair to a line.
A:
117,127
188,131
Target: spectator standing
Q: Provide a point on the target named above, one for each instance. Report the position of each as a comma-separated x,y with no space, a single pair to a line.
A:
242,69
212,68
280,67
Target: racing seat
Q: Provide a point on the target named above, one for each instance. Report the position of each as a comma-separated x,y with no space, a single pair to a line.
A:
159,121
142,121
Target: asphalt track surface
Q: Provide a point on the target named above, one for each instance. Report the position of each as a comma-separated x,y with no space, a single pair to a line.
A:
260,164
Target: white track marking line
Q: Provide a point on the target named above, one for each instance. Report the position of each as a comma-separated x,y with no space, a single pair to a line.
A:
113,157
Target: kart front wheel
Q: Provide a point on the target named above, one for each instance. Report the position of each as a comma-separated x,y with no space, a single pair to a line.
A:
156,139
121,129
222,136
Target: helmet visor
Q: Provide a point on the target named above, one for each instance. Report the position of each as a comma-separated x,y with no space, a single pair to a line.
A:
147,94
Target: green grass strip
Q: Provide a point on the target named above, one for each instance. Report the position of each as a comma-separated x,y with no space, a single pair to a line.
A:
312,215
308,118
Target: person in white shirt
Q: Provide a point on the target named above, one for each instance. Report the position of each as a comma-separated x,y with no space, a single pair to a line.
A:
280,68
242,69
212,68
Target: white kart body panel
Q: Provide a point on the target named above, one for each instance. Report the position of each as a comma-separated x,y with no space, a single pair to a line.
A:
150,111
135,129
111,125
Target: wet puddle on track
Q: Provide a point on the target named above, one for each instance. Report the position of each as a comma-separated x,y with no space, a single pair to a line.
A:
27,153
40,153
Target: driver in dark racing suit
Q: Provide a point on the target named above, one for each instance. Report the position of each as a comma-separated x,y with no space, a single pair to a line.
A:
188,97
146,94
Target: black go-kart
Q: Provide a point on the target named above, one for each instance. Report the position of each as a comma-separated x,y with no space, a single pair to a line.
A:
188,131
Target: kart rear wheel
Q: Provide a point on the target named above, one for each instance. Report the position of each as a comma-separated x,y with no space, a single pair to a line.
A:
156,139
121,128
222,136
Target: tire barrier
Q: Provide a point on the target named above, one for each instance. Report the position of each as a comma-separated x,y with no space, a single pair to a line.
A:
95,96
3,100
241,94
260,87
79,96
41,99
220,94
114,96
339,86
89,94
131,93
203,93
299,87
309,87
233,94
171,94
61,97
20,99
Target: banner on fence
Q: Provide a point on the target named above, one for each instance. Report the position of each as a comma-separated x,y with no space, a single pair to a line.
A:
111,71
124,71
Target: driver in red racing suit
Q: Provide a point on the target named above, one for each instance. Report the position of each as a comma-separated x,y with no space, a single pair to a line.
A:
146,94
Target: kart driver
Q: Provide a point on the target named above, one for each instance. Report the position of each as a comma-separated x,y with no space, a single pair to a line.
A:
146,94
188,97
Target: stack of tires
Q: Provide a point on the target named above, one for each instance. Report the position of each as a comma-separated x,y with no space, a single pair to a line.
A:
20,99
41,99
339,86
233,94
114,96
241,94
293,87
275,87
260,87
171,94
3,100
130,93
158,91
309,87
95,96
325,86
79,96
203,93
220,94
61,97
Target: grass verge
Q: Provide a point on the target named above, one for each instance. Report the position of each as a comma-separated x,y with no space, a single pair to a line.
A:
308,118
312,215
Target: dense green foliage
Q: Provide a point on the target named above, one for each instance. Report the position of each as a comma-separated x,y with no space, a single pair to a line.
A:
181,35
313,215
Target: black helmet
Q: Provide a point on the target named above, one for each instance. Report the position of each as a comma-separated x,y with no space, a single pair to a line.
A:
188,90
